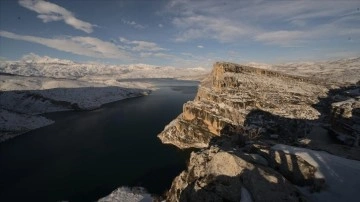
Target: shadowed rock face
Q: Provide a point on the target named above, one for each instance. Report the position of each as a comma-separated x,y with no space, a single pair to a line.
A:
345,116
231,92
217,175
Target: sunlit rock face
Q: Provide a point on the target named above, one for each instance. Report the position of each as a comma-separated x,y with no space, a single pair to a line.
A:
236,95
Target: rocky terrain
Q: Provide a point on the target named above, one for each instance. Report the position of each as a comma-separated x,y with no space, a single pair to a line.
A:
269,136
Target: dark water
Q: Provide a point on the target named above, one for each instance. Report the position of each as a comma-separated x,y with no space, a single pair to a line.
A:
86,155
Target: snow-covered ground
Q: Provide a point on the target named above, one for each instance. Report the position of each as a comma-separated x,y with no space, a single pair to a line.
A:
126,194
342,70
24,97
34,65
36,85
342,176
13,123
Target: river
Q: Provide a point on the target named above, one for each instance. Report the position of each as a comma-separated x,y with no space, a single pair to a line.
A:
85,155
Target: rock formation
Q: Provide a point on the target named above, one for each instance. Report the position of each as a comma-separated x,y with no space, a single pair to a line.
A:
240,113
236,95
216,175
345,116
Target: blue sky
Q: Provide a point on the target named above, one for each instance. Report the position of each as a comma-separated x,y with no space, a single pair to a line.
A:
181,33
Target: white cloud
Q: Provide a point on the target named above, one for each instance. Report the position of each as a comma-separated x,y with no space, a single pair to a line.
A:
133,24
146,46
159,55
277,22
199,26
122,39
87,46
160,25
49,12
141,45
200,46
282,37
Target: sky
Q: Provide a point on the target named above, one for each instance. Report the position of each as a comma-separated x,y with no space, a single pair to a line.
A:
180,33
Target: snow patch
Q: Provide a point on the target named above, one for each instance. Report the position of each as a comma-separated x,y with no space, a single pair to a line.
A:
342,176
127,194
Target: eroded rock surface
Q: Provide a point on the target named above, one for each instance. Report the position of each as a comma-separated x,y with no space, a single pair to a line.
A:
236,95
217,175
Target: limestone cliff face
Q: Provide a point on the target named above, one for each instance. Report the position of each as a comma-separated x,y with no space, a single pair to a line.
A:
236,95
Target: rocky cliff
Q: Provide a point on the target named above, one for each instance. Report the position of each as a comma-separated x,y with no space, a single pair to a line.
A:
241,114
236,95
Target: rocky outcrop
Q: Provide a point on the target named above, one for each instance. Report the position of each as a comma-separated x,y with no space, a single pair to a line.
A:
236,95
345,116
218,175
291,166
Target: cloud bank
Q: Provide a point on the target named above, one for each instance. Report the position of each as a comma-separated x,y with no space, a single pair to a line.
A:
282,23
86,46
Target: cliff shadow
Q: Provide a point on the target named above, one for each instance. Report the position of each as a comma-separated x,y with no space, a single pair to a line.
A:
257,184
339,115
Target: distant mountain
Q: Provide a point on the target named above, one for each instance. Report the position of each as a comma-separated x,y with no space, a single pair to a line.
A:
34,65
35,85
342,70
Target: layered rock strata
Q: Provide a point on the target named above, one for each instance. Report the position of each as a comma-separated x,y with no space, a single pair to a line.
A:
236,95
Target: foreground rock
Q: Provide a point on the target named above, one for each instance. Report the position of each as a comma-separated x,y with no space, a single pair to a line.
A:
217,175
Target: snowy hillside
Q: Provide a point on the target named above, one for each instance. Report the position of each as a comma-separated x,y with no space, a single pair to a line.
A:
342,70
35,85
34,65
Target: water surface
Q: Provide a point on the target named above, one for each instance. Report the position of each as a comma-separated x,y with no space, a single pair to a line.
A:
85,155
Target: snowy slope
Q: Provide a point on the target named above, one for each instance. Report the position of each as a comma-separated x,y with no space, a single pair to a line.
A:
22,98
34,65
342,176
342,70
122,194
